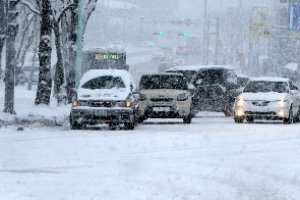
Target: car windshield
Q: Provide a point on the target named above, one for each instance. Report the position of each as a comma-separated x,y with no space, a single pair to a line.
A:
104,82
163,82
266,86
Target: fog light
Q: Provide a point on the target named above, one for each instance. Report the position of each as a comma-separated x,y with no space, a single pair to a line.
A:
281,113
239,112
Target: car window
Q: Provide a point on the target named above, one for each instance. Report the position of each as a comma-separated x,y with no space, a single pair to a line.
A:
209,77
104,82
163,82
266,86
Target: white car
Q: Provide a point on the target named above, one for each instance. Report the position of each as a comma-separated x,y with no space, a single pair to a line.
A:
268,98
105,97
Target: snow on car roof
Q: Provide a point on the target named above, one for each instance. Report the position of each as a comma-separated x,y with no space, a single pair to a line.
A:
270,79
163,73
94,73
197,67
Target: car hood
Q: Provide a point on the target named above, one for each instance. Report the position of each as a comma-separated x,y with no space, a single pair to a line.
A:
264,96
103,94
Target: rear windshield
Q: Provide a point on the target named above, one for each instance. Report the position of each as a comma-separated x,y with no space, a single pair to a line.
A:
266,86
162,82
104,82
188,74
215,77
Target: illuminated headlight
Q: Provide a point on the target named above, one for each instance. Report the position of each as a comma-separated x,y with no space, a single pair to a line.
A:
128,104
142,97
281,113
282,103
79,103
182,97
75,103
239,112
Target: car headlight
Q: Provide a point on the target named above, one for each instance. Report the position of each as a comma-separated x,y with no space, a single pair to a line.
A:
79,103
182,97
142,97
128,103
282,103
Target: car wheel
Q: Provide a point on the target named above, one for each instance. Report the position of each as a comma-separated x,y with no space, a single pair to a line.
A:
187,119
129,125
250,119
289,120
297,118
238,120
76,126
141,119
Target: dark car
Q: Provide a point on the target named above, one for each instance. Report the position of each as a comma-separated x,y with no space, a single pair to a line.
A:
105,97
213,87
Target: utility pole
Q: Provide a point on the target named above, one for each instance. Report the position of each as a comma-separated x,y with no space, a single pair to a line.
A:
217,41
204,58
12,29
79,44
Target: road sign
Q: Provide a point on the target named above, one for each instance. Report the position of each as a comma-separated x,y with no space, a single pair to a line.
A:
294,17
262,30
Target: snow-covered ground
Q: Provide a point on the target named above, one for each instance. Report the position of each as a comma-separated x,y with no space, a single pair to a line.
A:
212,158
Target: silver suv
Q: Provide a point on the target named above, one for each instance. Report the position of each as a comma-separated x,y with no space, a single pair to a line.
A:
164,95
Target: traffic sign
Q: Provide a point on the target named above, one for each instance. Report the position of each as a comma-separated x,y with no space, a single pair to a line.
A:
294,17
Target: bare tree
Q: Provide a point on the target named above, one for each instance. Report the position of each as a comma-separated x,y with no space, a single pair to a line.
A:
44,53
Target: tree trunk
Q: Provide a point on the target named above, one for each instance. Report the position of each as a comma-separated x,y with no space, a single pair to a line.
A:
59,86
70,78
45,49
2,30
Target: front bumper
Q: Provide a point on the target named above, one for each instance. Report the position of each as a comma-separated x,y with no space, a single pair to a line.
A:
94,116
257,112
152,110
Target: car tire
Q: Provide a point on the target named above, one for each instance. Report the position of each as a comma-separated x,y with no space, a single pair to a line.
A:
76,126
250,119
141,119
297,118
187,119
289,120
130,124
238,120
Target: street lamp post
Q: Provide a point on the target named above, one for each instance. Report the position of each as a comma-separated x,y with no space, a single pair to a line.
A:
79,44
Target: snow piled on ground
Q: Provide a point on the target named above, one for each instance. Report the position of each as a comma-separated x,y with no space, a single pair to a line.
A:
28,113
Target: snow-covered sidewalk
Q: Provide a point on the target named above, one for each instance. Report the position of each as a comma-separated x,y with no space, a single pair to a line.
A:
28,113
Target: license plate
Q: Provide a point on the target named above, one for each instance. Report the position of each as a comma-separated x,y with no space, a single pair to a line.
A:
101,113
161,109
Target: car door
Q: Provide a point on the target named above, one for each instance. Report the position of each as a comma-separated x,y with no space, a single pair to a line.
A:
295,95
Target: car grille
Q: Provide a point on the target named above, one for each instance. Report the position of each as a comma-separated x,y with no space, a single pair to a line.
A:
259,113
106,104
260,103
161,99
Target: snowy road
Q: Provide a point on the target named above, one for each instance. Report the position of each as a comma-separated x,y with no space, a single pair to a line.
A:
212,158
